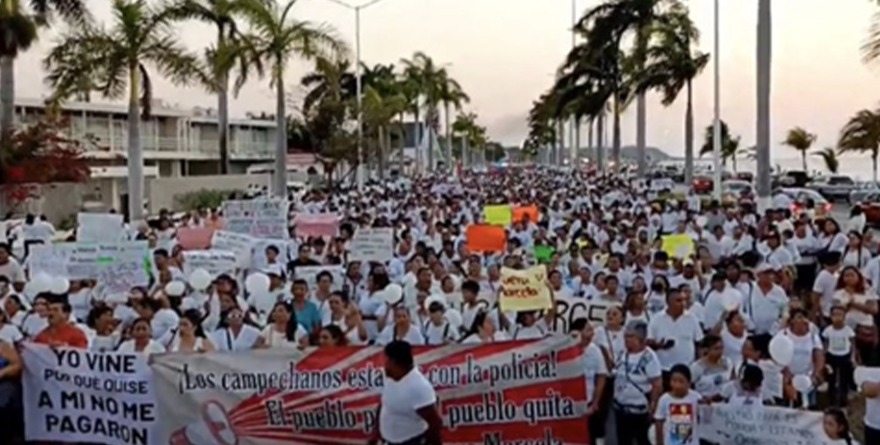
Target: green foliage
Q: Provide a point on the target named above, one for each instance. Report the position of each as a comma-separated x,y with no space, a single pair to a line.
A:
201,199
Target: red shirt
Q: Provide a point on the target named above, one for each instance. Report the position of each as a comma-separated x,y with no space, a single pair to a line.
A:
65,335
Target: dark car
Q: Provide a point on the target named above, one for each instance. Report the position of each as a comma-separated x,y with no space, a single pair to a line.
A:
834,187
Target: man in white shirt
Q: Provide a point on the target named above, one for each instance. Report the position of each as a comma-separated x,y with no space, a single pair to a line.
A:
674,333
408,413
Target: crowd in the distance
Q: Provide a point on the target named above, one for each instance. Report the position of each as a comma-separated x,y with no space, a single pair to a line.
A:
765,309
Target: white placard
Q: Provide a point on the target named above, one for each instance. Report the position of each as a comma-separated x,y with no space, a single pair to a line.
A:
100,227
116,266
216,262
310,274
372,244
74,396
733,424
260,218
239,244
259,261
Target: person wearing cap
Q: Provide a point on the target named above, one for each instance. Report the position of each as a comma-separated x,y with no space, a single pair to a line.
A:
637,385
767,304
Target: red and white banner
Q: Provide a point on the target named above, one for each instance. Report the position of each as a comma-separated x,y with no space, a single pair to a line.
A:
525,392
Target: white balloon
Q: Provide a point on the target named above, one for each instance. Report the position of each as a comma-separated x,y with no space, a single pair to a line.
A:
392,293
702,221
175,288
200,279
257,283
781,349
802,383
59,285
454,318
42,282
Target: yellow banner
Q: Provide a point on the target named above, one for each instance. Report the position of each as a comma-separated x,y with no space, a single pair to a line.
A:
678,246
524,290
498,215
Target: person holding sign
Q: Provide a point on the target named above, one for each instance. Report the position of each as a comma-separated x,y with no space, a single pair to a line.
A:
483,330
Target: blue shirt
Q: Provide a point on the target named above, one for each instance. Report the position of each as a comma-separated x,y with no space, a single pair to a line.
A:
309,317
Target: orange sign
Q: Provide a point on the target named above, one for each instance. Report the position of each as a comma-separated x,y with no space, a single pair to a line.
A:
485,238
520,213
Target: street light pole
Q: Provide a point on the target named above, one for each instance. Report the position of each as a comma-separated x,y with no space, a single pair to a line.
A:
716,125
574,134
360,173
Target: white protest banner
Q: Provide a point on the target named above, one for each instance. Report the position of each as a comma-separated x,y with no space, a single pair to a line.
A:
241,245
99,227
215,261
569,309
259,261
74,396
310,274
372,244
118,266
733,424
261,218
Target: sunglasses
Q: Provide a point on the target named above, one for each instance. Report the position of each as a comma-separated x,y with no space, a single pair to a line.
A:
236,316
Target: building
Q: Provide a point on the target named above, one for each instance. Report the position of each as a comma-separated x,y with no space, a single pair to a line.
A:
175,142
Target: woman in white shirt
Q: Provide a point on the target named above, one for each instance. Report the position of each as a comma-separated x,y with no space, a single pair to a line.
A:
141,339
809,356
711,372
284,332
346,317
103,333
189,335
610,335
234,334
402,329
530,327
861,303
855,253
484,331
831,239
596,373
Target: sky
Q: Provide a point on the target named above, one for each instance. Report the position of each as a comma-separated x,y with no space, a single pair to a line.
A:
504,54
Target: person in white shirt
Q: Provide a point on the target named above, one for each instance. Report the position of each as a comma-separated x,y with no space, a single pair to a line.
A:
401,330
713,371
141,341
673,334
855,253
715,298
284,332
638,385
675,417
437,329
826,284
861,305
836,427
408,413
596,373
809,357
234,334
871,390
839,355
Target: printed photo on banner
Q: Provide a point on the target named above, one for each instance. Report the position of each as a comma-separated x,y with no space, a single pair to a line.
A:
372,244
75,396
524,290
325,391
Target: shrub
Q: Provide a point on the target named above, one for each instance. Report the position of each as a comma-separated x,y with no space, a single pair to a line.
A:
202,199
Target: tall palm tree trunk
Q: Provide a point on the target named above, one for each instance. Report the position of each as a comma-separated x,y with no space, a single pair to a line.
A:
429,118
450,167
600,140
577,142
764,56
560,150
135,154
641,129
615,149
689,136
7,103
381,154
280,178
417,134
223,122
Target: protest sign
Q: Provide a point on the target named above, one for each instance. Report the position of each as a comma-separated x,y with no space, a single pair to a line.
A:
117,266
260,218
310,274
372,244
733,424
241,245
543,254
510,392
75,396
194,238
498,215
569,309
524,290
215,261
259,262
99,227
320,225
678,246
521,213
484,238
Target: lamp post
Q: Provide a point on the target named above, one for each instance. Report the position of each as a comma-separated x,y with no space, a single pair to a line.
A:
716,124
359,86
574,135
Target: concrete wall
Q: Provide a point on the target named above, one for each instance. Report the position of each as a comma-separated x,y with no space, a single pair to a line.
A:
161,192
61,201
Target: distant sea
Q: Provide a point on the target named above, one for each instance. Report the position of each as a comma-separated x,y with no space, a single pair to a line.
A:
858,167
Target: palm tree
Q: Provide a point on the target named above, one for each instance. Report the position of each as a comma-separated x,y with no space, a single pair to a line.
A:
614,20
18,31
425,79
829,156
672,66
451,95
473,135
800,140
276,37
229,52
379,114
861,134
329,77
730,150
117,59
764,64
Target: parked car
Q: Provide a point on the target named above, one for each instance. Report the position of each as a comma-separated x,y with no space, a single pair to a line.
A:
736,189
703,184
862,190
870,205
793,178
802,198
834,187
